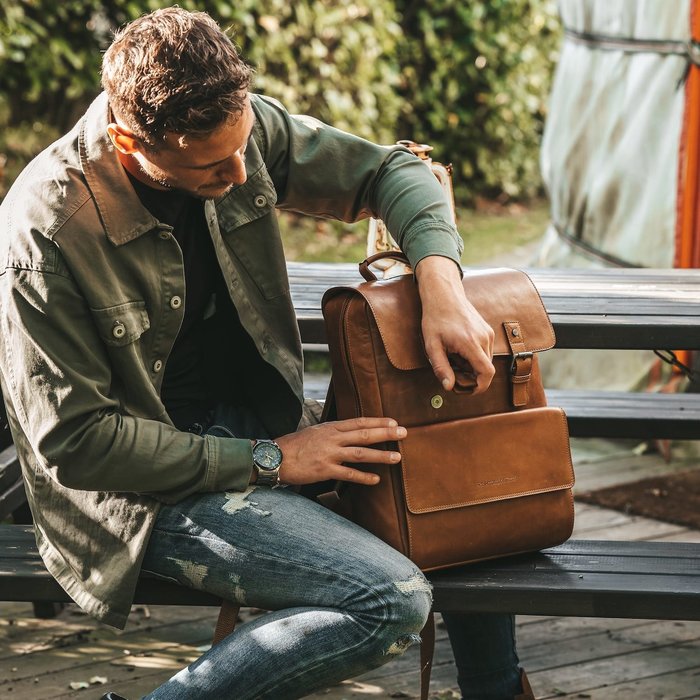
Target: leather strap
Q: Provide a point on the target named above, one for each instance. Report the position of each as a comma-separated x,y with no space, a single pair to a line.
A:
521,366
226,623
330,500
427,647
394,254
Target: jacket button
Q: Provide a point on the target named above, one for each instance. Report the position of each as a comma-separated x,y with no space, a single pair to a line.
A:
175,302
158,365
119,330
260,201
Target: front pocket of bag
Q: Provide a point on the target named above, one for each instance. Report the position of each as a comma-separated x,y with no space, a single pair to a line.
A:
485,487
477,460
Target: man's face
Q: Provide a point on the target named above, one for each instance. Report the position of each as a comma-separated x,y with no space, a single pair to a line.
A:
204,167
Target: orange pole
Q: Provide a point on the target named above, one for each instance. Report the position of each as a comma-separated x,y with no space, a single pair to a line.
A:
687,252
687,248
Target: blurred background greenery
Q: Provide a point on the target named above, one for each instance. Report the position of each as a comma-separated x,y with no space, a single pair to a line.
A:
489,230
470,78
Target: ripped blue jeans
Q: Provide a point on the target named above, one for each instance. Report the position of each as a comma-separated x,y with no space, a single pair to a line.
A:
342,601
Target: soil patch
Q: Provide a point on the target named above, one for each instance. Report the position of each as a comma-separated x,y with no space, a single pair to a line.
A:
674,498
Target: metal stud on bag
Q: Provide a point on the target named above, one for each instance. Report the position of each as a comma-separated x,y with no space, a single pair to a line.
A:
436,401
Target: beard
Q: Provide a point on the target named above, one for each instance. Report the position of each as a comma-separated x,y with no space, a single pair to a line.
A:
154,175
158,177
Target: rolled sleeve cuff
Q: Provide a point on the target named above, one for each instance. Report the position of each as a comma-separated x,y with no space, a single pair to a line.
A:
446,243
230,464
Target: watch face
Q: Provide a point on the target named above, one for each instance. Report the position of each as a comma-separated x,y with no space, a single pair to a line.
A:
267,455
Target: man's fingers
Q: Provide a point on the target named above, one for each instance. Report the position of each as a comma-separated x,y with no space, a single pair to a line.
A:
441,366
364,423
367,455
371,436
484,371
355,476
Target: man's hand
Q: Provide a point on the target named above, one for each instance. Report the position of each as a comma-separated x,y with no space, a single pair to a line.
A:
318,453
451,325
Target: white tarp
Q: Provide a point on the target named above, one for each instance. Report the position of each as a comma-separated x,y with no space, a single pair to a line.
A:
609,158
609,154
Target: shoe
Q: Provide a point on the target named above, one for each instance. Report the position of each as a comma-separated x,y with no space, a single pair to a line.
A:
527,693
112,696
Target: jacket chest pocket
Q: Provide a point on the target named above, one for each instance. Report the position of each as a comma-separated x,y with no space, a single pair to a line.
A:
248,225
122,324
254,199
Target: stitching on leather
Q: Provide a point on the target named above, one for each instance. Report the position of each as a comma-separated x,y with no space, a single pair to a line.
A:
351,363
565,454
409,367
381,333
512,497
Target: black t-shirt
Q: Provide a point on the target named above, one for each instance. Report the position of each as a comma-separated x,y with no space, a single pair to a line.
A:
213,359
186,386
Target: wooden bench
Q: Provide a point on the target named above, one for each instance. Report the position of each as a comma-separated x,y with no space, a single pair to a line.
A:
621,309
654,580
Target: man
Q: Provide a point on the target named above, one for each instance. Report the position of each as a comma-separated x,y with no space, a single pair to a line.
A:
150,350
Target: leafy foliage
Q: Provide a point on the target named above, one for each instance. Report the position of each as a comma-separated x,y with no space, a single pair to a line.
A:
333,59
475,76
468,77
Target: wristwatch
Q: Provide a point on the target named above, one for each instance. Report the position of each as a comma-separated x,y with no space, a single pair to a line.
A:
267,459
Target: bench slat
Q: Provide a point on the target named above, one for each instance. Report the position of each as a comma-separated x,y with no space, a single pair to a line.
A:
651,580
654,580
595,599
610,414
23,576
636,548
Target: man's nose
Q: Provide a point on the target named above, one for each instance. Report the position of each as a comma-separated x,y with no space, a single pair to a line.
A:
233,170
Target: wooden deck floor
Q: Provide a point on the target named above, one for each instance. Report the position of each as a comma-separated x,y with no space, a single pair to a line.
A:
566,658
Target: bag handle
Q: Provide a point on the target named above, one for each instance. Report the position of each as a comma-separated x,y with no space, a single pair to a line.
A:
364,265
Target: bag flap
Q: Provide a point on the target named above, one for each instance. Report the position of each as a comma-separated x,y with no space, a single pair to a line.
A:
500,295
490,458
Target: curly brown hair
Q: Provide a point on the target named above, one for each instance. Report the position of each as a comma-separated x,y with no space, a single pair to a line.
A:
174,71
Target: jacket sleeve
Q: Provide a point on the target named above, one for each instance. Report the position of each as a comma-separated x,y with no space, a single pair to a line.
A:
322,171
57,382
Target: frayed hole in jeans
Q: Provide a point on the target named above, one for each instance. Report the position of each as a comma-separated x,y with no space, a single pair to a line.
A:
415,584
402,644
160,577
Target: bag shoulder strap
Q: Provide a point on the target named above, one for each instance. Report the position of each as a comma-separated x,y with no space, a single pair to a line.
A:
427,648
226,622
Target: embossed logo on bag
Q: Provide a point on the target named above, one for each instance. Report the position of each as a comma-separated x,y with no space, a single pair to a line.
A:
497,482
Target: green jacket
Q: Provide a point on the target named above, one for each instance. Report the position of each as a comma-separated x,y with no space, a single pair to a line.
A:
87,276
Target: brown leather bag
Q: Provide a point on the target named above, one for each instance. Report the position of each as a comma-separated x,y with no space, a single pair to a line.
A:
481,476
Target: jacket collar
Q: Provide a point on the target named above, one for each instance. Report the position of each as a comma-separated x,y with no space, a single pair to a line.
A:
123,216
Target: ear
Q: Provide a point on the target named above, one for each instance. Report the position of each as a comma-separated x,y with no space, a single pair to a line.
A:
124,141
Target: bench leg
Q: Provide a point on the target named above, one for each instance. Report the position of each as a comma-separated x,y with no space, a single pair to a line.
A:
47,611
527,693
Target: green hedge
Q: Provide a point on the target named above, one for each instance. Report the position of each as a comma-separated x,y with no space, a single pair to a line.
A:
475,78
471,78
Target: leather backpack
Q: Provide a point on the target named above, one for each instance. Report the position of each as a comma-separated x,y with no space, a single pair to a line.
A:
481,475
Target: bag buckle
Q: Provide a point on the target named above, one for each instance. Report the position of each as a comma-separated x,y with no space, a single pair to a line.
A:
519,356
